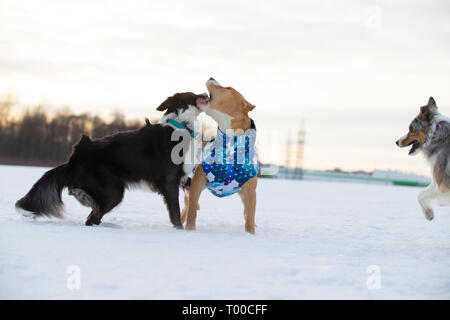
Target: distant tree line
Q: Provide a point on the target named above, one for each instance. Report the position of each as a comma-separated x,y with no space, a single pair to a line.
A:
37,138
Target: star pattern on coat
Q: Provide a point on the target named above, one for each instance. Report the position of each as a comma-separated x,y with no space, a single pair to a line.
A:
229,161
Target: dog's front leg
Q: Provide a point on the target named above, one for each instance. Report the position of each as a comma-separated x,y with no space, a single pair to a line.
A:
170,193
248,196
186,206
197,185
425,197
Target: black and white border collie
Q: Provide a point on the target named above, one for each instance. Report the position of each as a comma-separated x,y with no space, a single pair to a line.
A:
98,171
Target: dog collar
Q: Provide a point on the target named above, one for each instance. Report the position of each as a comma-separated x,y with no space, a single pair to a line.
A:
181,126
252,126
438,126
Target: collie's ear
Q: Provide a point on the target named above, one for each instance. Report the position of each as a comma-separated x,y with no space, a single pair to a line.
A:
167,104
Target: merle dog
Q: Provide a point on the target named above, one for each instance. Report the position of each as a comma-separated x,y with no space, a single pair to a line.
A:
98,171
429,132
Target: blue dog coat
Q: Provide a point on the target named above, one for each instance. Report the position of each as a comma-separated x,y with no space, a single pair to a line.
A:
229,161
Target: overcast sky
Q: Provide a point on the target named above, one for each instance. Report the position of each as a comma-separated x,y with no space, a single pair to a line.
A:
355,71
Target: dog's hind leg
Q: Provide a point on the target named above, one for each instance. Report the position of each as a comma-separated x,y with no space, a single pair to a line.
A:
248,197
87,200
425,197
93,218
107,200
444,199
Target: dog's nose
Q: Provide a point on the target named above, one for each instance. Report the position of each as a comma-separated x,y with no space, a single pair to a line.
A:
397,143
212,79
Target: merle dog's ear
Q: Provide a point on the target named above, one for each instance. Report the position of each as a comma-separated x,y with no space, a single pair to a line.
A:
167,104
432,103
429,111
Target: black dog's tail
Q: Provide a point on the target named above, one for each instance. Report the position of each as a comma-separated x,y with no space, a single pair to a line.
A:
44,198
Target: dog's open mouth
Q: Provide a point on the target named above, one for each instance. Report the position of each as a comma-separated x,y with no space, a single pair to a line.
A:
414,145
203,100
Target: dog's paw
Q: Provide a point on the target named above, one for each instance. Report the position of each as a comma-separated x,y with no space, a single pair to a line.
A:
250,229
429,215
189,227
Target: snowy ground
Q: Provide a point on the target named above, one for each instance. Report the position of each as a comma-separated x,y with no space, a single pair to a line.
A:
314,240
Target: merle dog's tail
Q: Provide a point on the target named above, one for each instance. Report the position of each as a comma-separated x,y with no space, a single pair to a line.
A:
44,198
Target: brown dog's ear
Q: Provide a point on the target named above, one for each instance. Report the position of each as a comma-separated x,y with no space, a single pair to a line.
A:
248,106
169,103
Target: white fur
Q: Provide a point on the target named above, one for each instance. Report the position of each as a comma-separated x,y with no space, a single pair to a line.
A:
141,185
444,199
212,82
188,164
187,116
430,194
25,213
440,118
401,139
425,197
223,120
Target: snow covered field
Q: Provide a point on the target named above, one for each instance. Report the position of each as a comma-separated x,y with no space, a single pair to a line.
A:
314,240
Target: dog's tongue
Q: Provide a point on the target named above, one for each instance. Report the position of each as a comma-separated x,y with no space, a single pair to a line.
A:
203,100
413,148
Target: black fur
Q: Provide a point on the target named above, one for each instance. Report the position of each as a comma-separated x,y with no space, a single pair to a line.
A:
98,171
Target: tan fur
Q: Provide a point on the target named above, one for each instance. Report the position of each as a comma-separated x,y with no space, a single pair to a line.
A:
231,102
198,182
183,213
248,197
414,136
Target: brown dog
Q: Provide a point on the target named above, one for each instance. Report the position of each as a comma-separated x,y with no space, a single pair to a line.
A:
230,110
